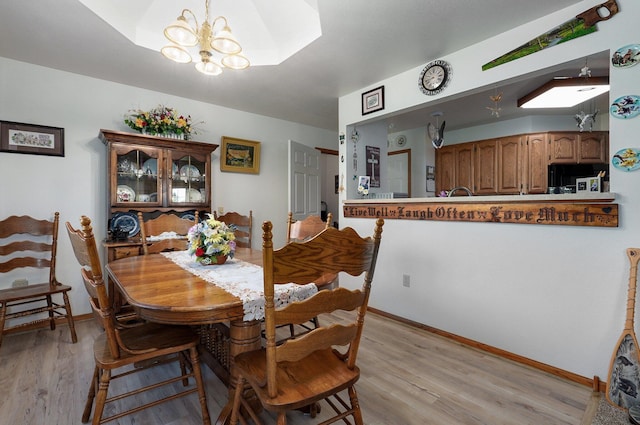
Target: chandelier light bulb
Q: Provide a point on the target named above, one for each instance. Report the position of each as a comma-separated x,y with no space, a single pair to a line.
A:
176,53
235,62
224,41
181,33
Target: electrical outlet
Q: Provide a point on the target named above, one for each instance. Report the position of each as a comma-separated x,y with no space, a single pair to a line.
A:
19,283
406,280
220,210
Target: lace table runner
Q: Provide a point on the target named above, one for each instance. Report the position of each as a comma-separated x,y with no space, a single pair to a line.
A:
243,280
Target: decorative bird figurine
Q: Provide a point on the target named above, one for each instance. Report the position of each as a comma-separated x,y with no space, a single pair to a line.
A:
495,110
585,72
436,135
583,120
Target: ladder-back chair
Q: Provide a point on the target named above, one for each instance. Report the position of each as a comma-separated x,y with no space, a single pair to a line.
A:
319,365
155,227
300,231
121,351
26,243
242,223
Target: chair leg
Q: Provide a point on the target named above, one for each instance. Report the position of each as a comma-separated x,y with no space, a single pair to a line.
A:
237,398
195,363
3,316
90,397
101,399
52,320
183,368
355,405
72,327
282,418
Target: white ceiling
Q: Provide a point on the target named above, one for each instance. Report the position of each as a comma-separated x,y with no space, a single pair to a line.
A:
359,46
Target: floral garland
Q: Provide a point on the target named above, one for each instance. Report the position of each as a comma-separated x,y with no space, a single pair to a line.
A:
161,120
210,239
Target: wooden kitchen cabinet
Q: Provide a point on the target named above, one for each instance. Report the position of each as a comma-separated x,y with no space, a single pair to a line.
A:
535,164
454,167
445,168
486,168
578,147
464,166
510,165
154,175
593,147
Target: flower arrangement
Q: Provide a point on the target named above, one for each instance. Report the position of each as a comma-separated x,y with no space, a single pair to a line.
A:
161,120
210,239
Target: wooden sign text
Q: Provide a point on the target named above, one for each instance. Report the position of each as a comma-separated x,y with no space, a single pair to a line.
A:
566,214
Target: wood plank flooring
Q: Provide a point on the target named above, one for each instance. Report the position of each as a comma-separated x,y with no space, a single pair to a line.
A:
409,377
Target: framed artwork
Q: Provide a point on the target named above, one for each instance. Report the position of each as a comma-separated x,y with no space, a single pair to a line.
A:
33,139
373,164
240,156
373,100
588,185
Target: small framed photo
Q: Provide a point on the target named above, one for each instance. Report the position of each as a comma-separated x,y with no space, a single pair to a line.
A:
33,139
240,156
588,185
373,100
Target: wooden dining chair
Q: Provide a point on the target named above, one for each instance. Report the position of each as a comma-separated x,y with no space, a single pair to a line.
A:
155,227
27,244
121,351
319,365
300,231
243,225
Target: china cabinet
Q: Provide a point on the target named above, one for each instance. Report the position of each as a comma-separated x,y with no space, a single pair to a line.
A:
153,175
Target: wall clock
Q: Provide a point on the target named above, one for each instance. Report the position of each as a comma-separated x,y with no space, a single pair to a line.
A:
434,77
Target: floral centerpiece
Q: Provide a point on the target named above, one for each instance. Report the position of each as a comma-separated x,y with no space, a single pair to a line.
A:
211,241
162,121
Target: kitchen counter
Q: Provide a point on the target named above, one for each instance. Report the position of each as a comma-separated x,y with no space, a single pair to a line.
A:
546,198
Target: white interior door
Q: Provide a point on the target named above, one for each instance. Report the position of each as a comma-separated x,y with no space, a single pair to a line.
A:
304,180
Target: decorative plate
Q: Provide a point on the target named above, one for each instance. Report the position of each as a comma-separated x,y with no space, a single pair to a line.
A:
189,171
125,194
194,195
627,159
153,197
626,56
126,221
188,216
626,106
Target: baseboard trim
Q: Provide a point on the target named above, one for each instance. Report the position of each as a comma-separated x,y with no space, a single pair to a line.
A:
594,383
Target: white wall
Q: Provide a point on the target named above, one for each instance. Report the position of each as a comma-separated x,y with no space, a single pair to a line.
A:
555,294
76,183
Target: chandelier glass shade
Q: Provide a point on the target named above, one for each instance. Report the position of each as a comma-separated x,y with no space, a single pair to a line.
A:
213,40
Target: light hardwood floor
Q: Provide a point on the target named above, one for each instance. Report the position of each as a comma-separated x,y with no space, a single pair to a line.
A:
409,377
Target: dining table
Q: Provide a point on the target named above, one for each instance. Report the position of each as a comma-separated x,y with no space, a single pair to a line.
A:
224,303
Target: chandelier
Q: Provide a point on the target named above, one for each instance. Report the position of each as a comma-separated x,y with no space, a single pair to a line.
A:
208,40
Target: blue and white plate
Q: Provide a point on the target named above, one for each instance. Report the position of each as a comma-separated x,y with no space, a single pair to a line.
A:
125,221
188,216
627,159
626,106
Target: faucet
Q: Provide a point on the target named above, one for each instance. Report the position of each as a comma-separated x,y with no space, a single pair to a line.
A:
459,188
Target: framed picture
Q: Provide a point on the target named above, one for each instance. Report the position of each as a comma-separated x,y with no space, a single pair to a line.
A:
373,100
588,185
18,137
240,156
